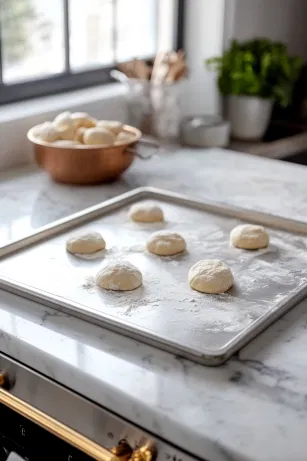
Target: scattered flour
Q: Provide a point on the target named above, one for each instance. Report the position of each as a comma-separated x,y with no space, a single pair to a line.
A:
166,303
133,249
89,284
262,278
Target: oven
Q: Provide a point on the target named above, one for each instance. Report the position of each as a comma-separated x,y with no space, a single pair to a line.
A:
42,420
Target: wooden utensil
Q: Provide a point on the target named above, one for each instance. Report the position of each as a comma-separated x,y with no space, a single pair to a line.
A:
168,67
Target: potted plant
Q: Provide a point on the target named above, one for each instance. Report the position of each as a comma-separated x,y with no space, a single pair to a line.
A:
252,76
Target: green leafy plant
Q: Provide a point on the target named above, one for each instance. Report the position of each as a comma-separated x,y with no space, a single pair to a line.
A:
257,67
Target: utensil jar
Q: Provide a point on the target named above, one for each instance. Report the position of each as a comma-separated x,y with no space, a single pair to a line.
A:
155,108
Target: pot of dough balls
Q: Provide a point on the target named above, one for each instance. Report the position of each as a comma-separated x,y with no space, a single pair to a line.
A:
75,148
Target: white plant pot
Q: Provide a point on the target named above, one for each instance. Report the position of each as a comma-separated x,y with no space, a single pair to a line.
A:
249,116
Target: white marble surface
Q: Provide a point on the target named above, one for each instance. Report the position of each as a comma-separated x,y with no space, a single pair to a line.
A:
254,407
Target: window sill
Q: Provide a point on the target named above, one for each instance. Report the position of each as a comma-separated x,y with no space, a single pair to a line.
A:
105,101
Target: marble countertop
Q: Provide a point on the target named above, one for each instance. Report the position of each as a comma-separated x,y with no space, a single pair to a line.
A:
254,407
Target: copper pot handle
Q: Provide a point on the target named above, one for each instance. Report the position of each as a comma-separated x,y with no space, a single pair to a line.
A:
154,145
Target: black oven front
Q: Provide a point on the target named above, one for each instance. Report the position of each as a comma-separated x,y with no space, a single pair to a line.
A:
19,435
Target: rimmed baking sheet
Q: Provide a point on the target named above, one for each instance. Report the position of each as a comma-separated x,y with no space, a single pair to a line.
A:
165,311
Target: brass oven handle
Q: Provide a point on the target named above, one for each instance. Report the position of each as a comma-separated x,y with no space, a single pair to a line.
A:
53,426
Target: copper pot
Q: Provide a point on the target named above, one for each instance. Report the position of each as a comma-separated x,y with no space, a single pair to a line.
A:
86,164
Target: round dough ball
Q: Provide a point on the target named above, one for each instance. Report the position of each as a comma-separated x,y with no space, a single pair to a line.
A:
122,276
79,133
146,212
83,119
166,243
66,143
68,133
123,136
210,276
98,136
249,237
63,121
47,132
86,243
110,125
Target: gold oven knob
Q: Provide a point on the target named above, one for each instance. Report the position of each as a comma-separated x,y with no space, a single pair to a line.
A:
146,452
124,452
2,379
5,382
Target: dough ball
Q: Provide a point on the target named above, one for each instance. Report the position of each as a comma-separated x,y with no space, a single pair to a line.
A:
86,243
68,133
249,237
66,143
210,276
98,136
79,133
120,276
63,121
110,125
146,212
83,119
123,136
166,243
47,132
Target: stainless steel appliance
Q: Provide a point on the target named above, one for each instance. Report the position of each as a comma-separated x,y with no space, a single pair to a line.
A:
41,420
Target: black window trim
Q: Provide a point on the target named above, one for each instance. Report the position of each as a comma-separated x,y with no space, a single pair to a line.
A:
69,81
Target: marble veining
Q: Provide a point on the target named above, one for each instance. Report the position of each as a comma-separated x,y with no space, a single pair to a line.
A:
254,407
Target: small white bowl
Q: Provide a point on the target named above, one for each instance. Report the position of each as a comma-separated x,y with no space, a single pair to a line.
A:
205,131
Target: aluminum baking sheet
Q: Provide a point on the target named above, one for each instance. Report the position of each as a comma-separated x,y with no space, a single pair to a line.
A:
165,311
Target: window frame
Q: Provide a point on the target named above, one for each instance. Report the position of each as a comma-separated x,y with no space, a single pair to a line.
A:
69,81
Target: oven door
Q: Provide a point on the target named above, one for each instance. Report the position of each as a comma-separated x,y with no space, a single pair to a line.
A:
42,420
37,437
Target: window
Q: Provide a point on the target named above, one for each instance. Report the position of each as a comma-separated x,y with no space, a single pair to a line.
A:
48,46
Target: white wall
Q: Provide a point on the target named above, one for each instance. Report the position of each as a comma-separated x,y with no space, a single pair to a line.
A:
204,25
283,20
210,24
